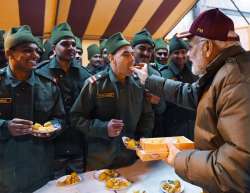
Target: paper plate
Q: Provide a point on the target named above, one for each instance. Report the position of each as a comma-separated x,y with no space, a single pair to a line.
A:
45,131
169,182
100,172
116,182
63,178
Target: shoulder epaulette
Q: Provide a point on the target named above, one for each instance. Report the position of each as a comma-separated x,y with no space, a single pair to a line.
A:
96,77
43,63
163,67
2,70
44,75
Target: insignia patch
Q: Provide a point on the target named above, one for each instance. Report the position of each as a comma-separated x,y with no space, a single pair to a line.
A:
106,95
5,100
92,79
55,79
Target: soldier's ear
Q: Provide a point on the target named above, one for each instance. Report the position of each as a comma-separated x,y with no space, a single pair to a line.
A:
111,57
54,48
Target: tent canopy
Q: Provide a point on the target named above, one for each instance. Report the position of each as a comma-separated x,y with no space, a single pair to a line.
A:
95,19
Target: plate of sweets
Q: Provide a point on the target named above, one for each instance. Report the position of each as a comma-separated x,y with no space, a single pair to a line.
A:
105,174
117,183
171,186
130,143
67,180
47,127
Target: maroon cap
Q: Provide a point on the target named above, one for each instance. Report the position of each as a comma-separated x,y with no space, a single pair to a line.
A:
212,24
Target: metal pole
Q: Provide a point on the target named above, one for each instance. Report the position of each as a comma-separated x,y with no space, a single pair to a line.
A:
239,11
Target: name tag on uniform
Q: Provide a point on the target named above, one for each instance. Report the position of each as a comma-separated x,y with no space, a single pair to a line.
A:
105,95
5,100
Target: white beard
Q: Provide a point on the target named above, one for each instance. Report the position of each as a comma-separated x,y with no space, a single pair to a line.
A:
198,70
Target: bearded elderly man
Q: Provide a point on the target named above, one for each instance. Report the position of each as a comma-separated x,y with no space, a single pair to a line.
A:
221,160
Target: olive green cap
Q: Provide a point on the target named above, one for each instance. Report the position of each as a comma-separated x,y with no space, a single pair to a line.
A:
115,42
40,44
18,35
48,49
177,44
160,44
60,32
143,36
92,50
103,44
78,43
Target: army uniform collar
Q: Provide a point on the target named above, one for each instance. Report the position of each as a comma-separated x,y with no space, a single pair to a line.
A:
175,69
113,77
14,82
160,65
55,65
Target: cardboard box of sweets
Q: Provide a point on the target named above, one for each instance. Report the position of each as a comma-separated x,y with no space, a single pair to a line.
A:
156,148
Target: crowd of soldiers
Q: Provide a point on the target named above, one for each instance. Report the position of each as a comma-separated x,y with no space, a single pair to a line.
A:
93,106
123,92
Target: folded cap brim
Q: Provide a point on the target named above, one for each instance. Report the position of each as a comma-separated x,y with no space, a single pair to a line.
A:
186,34
189,35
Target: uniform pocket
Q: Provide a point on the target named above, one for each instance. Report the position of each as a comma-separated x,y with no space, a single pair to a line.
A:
43,110
5,110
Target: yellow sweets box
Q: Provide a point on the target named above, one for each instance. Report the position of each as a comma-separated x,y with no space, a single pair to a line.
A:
150,156
159,144
156,148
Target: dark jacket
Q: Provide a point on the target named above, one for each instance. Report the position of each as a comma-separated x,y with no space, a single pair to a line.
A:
26,162
178,120
103,98
70,142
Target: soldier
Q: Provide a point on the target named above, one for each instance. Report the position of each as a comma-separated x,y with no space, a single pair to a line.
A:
143,46
160,54
178,120
3,61
112,105
179,66
48,51
39,43
70,76
26,97
95,60
79,50
104,52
